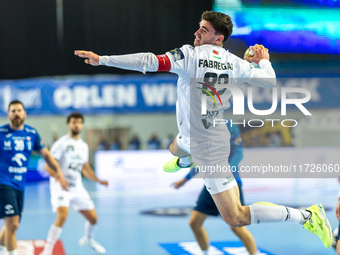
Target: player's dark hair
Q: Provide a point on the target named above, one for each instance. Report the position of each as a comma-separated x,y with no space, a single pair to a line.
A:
16,102
220,22
75,115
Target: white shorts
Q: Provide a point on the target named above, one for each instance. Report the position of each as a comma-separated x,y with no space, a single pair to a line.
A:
183,143
79,199
218,185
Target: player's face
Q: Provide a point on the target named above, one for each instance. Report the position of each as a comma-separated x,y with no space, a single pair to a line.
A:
17,115
206,34
75,125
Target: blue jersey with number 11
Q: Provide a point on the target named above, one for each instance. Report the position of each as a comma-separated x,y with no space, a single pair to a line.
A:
15,150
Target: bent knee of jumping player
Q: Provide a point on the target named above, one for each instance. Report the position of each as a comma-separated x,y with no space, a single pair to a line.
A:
238,218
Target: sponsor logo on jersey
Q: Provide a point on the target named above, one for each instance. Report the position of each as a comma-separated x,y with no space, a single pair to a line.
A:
229,180
177,53
215,65
7,145
8,135
9,209
3,130
18,158
17,170
69,148
28,138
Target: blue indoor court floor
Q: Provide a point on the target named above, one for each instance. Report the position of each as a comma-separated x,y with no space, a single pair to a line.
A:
124,231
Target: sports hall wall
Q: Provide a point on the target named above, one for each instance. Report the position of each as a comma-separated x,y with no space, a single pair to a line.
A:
39,44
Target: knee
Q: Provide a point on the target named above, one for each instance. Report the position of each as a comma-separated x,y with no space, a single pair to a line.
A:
12,227
61,217
195,225
93,220
238,219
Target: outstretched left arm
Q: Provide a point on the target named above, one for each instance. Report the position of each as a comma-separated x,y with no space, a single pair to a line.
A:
88,173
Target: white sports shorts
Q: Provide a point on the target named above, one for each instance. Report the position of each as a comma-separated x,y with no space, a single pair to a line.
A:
79,199
218,185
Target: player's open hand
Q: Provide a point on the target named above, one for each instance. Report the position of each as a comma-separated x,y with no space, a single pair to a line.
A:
179,184
63,182
260,52
91,58
105,183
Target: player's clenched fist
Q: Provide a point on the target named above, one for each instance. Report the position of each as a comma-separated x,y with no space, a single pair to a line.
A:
91,58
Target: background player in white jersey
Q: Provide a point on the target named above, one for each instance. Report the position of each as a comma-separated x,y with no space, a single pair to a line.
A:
72,153
204,142
17,141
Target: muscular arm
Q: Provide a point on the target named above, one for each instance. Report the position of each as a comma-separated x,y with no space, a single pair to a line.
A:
88,173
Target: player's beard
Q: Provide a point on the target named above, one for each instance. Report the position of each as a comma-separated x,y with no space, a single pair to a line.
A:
75,132
17,122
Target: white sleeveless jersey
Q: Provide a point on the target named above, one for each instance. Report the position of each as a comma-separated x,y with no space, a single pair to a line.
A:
209,64
71,155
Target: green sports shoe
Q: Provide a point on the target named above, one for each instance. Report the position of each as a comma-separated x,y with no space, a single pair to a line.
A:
318,224
172,165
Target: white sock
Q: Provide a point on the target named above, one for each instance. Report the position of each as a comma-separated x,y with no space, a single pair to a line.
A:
257,253
90,230
184,162
261,213
2,248
52,238
14,252
205,252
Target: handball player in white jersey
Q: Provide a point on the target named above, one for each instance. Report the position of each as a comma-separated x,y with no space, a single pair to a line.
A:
72,154
196,67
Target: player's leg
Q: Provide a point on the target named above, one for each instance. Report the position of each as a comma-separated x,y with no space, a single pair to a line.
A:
196,224
55,230
60,201
2,240
11,227
246,238
11,205
180,148
83,203
243,233
90,229
226,198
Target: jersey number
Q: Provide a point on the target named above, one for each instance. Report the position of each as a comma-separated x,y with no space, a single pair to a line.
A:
212,78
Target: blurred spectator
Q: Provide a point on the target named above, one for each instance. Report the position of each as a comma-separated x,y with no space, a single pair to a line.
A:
115,144
103,144
274,139
154,142
134,143
167,141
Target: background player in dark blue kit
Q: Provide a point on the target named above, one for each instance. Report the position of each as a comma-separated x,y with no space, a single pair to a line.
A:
205,205
17,141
